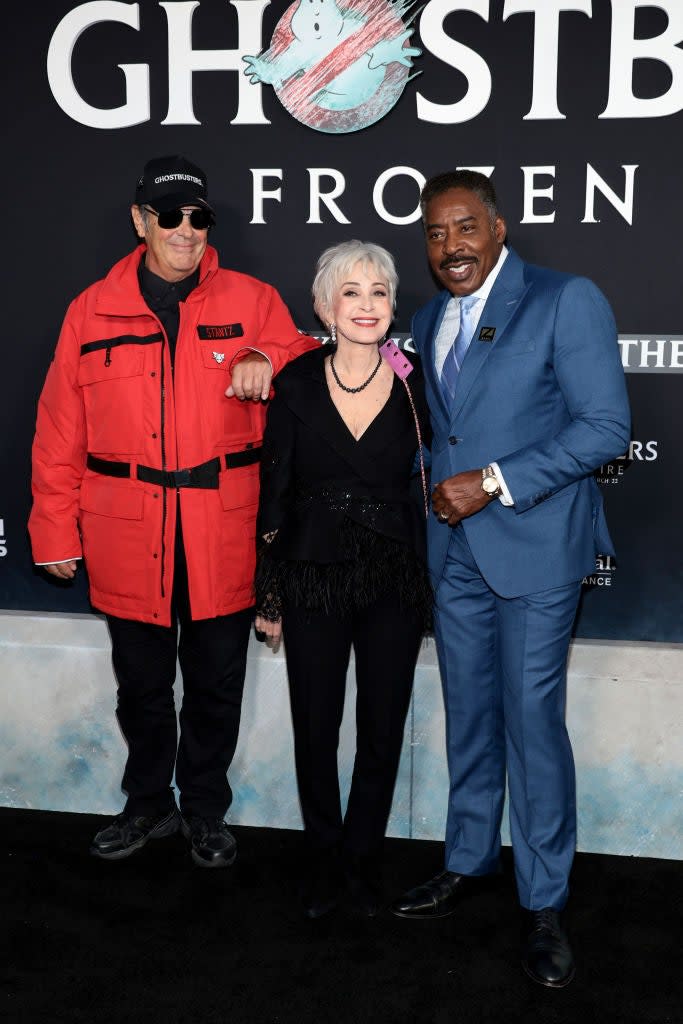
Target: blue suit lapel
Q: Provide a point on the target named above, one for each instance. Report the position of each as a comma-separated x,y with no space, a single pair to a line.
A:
503,302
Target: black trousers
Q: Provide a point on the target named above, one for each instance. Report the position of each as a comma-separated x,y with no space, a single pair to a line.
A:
213,658
386,640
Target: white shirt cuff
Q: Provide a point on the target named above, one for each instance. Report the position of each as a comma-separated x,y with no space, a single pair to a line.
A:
505,498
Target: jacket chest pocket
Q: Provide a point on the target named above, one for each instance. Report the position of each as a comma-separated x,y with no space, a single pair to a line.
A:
217,357
219,353
512,349
219,344
111,377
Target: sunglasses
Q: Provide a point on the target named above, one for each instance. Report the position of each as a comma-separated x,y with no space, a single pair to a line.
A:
200,219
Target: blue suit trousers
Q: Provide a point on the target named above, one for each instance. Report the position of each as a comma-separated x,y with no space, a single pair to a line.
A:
503,669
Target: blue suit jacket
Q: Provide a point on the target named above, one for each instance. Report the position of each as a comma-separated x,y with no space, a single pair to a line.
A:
545,399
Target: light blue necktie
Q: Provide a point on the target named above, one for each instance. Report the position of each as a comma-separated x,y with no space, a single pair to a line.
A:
458,350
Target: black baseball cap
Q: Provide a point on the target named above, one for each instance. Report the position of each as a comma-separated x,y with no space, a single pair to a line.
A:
168,182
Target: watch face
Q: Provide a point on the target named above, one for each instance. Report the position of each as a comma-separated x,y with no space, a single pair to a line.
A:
490,485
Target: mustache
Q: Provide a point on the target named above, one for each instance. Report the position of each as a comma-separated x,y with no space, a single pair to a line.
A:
452,261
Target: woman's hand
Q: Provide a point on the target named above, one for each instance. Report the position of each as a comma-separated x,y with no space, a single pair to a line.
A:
272,630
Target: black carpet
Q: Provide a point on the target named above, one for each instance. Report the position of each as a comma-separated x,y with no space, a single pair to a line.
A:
155,939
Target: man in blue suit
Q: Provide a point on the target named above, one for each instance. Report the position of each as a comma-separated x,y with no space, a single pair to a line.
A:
527,398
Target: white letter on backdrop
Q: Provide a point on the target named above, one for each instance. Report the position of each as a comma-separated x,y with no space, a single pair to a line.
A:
378,194
626,50
595,183
259,174
136,108
317,196
456,55
183,61
546,33
531,192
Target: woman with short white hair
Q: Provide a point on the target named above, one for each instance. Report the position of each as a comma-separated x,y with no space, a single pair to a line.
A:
343,563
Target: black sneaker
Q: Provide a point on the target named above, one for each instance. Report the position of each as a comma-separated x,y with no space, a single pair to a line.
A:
129,832
212,845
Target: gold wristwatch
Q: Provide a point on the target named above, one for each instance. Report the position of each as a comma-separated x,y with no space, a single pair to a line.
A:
489,482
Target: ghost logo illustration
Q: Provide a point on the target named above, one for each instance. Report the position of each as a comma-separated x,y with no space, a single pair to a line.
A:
338,65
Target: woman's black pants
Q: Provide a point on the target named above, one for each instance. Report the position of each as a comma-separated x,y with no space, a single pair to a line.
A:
386,639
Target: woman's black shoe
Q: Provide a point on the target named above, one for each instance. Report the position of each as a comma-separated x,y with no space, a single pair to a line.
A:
320,888
363,885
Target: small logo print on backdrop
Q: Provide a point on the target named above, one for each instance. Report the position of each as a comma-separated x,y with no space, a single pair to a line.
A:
602,576
3,545
638,451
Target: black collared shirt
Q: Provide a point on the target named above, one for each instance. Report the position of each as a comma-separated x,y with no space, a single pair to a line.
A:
163,297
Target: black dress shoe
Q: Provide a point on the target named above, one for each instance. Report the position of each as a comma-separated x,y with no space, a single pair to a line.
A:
547,956
436,898
129,832
212,845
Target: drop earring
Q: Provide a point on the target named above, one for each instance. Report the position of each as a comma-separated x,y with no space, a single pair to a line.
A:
333,333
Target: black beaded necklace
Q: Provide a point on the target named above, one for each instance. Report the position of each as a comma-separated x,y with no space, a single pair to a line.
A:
354,391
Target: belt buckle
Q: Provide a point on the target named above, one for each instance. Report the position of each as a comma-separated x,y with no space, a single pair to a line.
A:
183,477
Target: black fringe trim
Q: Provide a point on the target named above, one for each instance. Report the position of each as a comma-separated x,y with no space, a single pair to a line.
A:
375,565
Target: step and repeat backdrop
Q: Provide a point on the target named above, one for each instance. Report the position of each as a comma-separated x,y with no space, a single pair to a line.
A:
318,121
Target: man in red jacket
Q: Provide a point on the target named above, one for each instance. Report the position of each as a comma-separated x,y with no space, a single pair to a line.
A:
145,464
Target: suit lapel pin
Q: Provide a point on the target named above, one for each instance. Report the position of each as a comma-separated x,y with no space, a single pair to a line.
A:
487,333
219,356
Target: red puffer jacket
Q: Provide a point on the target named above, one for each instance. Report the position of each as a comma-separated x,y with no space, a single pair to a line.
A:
110,392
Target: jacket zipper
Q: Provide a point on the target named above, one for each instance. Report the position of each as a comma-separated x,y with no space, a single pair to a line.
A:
164,495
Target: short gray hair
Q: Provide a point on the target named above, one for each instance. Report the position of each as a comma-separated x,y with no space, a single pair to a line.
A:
144,214
335,264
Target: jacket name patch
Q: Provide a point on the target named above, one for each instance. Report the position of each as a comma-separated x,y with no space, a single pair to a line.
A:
210,332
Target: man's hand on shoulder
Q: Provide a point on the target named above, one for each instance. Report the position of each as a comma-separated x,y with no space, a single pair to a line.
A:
62,570
459,496
251,376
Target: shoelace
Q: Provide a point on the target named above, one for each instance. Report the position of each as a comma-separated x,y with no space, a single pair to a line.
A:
546,920
205,826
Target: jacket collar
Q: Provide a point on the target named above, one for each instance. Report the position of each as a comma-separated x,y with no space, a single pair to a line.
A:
120,294
503,302
308,396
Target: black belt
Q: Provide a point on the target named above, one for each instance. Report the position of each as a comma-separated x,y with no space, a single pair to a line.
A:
204,476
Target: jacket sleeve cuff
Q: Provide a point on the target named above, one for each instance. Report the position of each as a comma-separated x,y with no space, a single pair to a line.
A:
241,353
60,561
